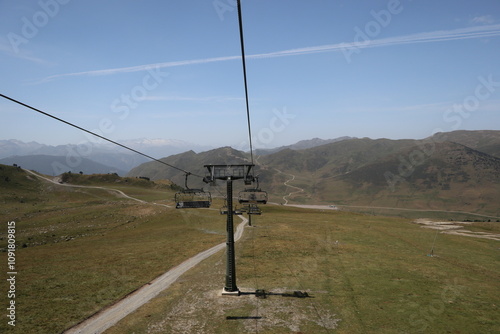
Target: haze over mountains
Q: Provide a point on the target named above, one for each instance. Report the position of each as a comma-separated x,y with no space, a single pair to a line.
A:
56,165
108,157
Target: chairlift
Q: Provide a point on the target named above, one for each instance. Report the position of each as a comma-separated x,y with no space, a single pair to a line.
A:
253,209
192,198
253,195
224,210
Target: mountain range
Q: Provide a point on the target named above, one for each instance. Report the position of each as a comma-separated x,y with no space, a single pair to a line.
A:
108,157
75,158
457,170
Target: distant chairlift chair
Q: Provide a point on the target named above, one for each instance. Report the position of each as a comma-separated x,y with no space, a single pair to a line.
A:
253,195
253,209
224,210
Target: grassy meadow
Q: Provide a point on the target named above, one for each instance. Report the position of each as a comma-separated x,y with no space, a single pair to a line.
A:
81,249
354,274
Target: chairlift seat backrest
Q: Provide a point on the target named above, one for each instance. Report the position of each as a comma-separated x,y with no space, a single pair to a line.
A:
253,209
192,198
256,196
192,204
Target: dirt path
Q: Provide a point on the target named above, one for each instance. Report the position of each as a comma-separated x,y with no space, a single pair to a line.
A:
456,228
319,207
119,192
285,198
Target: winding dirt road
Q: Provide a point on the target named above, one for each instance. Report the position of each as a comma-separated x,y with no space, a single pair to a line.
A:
288,185
119,192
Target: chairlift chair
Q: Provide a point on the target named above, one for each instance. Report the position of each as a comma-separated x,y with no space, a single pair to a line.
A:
224,210
253,195
192,198
253,209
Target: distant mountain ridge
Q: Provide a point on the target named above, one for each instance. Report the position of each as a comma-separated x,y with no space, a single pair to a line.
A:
302,145
103,153
457,170
192,162
56,165
440,172
115,157
482,140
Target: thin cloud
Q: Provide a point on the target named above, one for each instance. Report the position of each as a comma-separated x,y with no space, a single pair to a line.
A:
195,99
427,37
485,19
187,114
139,68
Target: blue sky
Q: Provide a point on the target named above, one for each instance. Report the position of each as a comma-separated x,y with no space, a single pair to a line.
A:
316,68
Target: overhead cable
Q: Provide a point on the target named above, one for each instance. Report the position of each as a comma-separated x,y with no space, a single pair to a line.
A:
245,78
95,134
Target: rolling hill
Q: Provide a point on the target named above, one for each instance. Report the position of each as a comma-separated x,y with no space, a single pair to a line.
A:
486,141
189,161
454,177
301,145
449,171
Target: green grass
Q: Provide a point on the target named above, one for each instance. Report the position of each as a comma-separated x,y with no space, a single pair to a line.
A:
78,277
79,250
364,274
420,213
86,248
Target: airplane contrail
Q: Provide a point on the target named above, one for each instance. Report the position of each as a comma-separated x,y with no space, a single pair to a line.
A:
486,31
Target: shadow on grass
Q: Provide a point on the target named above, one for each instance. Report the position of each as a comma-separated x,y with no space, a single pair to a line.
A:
243,318
260,293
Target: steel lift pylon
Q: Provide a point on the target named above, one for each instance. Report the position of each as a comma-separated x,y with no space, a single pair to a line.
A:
229,173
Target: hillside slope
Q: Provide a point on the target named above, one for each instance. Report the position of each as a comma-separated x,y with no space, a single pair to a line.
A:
336,158
432,173
455,177
191,162
487,141
301,145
